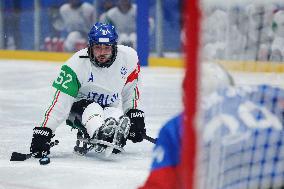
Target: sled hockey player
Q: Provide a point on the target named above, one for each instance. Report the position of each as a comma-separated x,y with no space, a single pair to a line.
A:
241,140
166,154
96,92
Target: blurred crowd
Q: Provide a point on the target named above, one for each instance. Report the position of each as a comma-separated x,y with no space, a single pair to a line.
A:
70,34
230,32
247,32
64,23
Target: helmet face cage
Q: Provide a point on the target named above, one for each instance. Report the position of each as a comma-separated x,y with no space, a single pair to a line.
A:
105,34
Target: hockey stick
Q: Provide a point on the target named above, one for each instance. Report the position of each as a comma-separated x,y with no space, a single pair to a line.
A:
16,156
150,139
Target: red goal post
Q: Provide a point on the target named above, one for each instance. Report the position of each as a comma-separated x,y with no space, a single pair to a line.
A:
242,35
191,17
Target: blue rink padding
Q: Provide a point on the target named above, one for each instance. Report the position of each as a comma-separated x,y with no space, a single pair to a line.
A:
239,155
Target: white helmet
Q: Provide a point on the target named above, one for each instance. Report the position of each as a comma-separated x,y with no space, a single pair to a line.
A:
214,76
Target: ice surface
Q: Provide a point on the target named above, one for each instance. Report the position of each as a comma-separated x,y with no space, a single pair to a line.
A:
24,90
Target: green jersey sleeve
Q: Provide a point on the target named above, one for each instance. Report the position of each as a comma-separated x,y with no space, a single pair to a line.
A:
67,81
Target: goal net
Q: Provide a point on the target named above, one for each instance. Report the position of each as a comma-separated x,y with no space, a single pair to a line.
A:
234,138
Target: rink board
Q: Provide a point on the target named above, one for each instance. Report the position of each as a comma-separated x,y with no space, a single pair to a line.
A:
246,66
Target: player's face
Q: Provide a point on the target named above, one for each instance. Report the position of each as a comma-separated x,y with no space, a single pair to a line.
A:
124,5
102,52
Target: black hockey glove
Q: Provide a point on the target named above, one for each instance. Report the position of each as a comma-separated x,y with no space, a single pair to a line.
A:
41,141
137,128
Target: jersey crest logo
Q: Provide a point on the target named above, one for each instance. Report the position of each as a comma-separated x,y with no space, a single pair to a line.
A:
123,71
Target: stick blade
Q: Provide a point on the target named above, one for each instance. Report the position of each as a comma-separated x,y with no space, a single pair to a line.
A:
150,139
18,157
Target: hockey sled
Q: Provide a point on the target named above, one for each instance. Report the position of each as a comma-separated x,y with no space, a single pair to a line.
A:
103,147
99,146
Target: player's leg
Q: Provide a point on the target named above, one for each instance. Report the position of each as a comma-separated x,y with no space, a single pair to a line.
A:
75,116
86,116
105,133
122,131
122,125
101,124
106,124
114,130
93,118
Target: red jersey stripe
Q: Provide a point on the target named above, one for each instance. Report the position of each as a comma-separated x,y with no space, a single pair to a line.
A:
52,106
133,75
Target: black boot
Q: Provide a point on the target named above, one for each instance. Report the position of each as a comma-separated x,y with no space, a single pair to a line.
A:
121,133
82,150
105,133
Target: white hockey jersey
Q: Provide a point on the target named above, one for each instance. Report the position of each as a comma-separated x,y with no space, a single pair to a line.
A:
80,79
123,22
